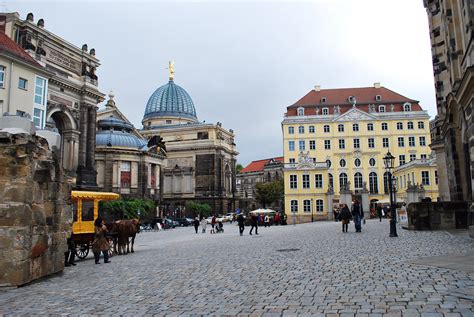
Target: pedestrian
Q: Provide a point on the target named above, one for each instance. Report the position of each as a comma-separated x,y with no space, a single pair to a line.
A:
357,215
379,212
276,219
345,217
203,224
100,243
253,223
70,254
336,214
213,224
196,224
266,221
240,221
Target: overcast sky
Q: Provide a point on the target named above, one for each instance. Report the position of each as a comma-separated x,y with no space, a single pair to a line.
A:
243,63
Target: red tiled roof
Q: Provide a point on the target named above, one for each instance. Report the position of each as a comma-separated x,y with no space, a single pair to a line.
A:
257,166
339,96
11,48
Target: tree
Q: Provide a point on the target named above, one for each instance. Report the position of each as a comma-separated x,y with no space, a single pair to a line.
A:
238,168
127,209
204,210
268,193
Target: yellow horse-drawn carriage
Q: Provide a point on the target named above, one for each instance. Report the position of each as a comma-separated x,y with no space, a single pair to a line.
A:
85,212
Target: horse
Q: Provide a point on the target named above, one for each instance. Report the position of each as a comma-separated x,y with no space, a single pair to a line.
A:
127,229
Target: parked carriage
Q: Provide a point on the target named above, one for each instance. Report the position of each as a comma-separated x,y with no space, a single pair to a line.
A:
85,212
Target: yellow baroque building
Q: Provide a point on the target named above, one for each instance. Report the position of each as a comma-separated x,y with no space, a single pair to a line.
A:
335,139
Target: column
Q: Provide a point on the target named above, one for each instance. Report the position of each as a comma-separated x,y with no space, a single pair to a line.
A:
330,204
91,131
83,136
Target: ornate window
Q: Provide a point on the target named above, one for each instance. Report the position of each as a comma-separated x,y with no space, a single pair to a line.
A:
294,206
342,180
319,205
373,183
357,162
358,181
372,162
325,111
301,129
381,108
307,205
291,130
407,107
301,111
328,162
342,162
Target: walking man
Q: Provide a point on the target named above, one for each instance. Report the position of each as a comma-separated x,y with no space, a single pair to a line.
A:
379,212
357,215
240,221
254,223
196,224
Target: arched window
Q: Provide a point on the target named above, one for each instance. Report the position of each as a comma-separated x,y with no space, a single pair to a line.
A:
372,162
300,111
399,125
342,163
340,128
291,130
358,181
373,184
325,111
407,107
301,129
294,206
357,162
370,127
326,129
381,108
385,182
311,129
410,125
355,127
342,180
331,180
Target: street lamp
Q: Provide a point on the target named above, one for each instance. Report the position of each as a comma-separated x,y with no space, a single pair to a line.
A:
312,217
388,161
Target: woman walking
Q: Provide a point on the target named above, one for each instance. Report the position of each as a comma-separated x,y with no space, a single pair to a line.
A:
203,224
345,216
100,243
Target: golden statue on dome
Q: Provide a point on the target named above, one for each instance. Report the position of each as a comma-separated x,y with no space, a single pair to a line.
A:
171,69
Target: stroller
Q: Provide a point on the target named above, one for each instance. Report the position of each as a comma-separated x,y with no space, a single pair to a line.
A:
219,227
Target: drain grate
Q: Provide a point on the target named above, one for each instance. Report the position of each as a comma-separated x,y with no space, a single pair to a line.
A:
287,250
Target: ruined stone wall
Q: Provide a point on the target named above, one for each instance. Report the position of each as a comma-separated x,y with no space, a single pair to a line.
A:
35,217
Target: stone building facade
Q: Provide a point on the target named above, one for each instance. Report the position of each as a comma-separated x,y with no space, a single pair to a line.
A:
451,33
201,157
72,94
35,217
125,163
260,171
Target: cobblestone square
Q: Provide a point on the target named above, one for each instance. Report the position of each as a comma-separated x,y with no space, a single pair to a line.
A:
309,269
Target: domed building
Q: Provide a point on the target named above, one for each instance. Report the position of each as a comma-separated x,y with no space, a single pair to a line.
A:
201,157
125,163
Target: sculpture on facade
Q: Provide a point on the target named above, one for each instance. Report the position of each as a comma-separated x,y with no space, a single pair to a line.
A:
157,145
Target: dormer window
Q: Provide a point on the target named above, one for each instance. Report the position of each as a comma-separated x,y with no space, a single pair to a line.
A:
407,106
325,111
350,98
381,108
378,97
301,111
323,100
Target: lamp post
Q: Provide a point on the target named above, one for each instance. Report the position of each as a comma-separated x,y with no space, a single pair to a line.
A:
388,161
312,208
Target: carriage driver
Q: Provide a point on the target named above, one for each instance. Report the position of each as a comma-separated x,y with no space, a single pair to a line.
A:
100,242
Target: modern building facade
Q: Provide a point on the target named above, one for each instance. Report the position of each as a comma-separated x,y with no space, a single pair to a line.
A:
72,93
335,139
260,171
23,83
201,157
451,33
125,163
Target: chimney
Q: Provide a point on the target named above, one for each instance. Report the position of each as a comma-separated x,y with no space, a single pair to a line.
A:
376,85
317,88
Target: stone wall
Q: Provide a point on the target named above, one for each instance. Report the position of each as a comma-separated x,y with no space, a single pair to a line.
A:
35,217
438,215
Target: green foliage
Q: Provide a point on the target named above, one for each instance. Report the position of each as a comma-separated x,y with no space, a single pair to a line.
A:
238,168
127,209
268,193
204,210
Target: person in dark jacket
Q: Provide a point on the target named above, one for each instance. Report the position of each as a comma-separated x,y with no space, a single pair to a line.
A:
345,217
196,224
357,215
240,221
100,243
70,254
253,223
379,212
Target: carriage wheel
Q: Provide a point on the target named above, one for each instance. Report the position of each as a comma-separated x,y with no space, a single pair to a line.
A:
82,250
110,251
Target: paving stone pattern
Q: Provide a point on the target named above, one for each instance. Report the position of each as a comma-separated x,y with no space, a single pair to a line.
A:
179,272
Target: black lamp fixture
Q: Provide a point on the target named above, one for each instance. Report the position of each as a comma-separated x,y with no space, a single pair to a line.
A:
389,162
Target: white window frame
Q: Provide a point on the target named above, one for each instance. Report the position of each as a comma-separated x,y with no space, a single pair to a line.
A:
425,178
372,162
294,206
291,130
319,205
342,163
356,143
325,111
407,107
401,159
410,125
312,129
370,127
318,180
302,145
382,108
355,127
301,129
399,125
294,181
401,141
300,111
411,141
41,106
306,181
422,141
384,126
412,157
342,144
340,128
291,146
371,143
312,144
385,142
327,129
327,144
421,125
306,205
20,79
2,76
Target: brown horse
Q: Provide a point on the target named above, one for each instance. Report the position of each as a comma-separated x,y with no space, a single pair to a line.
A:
127,229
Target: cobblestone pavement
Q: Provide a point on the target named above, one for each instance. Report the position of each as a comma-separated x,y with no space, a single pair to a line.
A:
310,269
